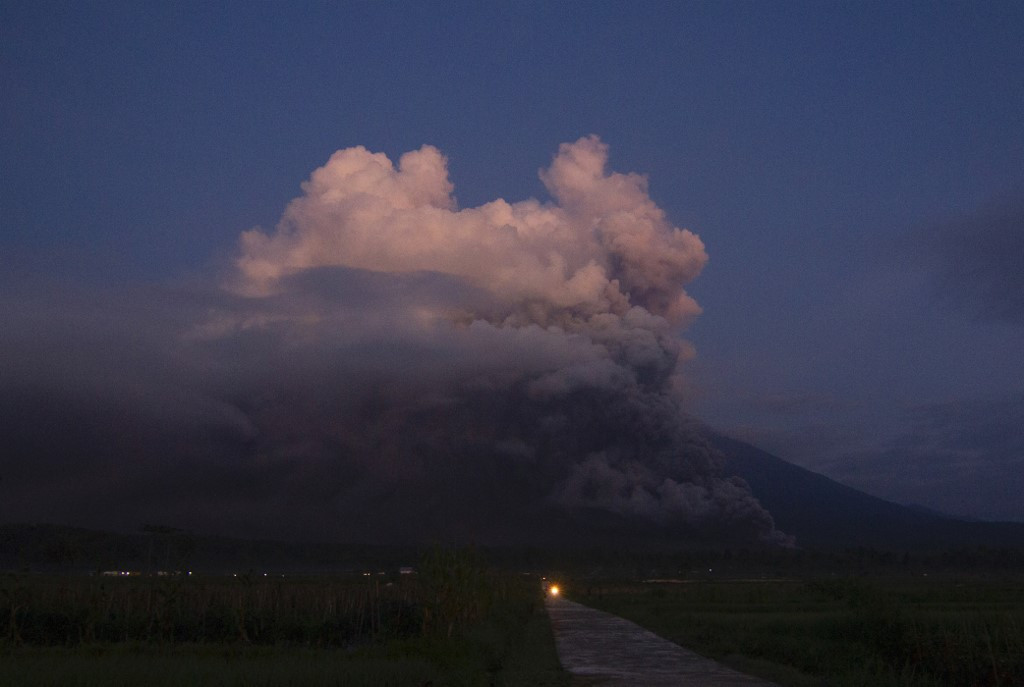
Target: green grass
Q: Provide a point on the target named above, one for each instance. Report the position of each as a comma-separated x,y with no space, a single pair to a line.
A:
521,655
531,660
840,632
128,666
458,622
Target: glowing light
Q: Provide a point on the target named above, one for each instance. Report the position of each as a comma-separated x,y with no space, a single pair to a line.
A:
553,590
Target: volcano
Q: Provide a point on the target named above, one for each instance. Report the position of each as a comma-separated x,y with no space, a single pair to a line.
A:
821,513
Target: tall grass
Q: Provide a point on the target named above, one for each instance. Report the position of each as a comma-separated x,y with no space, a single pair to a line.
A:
48,611
454,622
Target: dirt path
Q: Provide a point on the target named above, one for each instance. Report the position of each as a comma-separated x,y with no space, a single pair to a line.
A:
604,650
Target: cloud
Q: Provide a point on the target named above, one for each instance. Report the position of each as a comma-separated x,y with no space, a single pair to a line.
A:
604,247
384,365
963,457
976,262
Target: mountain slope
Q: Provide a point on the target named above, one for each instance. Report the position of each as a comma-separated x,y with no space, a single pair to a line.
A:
492,503
822,513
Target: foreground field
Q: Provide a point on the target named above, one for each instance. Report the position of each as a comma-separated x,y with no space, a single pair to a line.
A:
455,623
916,632
469,661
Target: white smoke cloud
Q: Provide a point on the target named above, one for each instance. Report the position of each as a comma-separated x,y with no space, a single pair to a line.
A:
603,248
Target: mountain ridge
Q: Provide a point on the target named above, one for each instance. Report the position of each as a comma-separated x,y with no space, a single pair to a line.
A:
818,512
822,513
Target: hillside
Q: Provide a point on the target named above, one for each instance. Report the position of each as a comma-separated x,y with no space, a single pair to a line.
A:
824,514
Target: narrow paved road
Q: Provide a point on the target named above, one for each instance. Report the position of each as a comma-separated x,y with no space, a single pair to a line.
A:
601,649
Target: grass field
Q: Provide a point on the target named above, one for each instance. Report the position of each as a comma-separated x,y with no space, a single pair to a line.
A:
838,631
460,622
457,622
528,659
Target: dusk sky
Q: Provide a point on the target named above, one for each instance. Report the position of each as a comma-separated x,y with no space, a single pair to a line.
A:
832,217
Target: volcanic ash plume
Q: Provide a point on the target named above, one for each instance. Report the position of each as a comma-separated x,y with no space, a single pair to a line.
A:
603,249
523,354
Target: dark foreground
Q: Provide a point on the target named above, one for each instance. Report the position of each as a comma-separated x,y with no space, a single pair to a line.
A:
457,621
910,631
453,622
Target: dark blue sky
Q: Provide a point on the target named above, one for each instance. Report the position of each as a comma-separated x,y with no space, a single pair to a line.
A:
856,171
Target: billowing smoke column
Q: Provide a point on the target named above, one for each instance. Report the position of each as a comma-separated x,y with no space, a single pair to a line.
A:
605,248
384,366
480,362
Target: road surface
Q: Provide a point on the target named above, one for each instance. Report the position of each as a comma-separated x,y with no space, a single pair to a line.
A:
603,650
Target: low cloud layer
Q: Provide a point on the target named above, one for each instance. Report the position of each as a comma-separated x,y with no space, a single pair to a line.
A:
384,365
977,262
963,458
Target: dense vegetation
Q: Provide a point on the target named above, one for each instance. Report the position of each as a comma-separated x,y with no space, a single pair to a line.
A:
455,622
909,631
